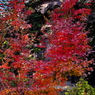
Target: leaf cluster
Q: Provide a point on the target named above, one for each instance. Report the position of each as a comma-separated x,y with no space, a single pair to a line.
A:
82,88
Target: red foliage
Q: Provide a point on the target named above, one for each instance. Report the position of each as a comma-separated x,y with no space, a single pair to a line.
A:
68,44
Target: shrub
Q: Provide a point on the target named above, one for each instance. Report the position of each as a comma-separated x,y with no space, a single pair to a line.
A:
82,88
67,47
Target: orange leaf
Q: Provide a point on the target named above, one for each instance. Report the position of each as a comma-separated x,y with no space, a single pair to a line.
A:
4,66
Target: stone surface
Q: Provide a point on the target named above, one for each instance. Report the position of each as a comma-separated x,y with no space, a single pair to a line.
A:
48,4
68,85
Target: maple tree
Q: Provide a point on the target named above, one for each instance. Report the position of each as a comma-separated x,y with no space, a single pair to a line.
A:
66,49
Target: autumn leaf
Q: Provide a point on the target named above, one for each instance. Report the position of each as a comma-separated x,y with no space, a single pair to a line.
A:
5,66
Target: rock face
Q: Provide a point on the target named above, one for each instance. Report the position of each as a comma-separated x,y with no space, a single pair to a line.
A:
50,4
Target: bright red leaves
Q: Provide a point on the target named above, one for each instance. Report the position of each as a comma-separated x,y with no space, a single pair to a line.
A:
64,55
